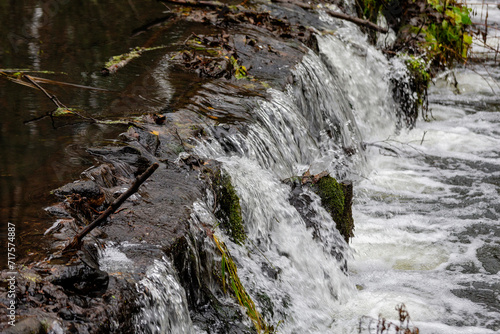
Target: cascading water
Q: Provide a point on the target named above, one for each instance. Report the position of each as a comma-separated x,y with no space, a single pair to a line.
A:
163,304
309,127
427,217
425,209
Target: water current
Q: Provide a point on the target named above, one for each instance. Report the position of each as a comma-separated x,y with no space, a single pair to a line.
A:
426,203
426,200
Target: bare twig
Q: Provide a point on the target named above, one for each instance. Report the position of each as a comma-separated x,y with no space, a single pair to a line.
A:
421,142
53,98
342,16
393,151
360,22
75,243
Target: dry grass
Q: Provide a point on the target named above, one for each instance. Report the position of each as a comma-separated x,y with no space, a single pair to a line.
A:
383,326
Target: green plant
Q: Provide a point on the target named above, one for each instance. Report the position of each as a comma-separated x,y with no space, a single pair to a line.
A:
240,71
410,93
420,76
447,39
370,8
441,29
431,35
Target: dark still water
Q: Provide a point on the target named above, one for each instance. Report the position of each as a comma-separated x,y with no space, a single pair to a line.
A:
74,39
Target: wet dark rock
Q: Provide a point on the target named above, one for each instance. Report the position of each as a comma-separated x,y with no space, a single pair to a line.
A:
270,271
104,175
190,160
335,197
81,279
128,155
87,189
223,136
199,273
489,255
31,325
58,210
146,138
71,293
42,303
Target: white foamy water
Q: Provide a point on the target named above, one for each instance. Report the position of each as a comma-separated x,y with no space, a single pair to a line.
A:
427,231
419,203
306,127
163,306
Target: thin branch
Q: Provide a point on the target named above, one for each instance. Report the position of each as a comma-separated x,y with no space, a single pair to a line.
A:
358,21
342,16
423,136
77,240
210,4
53,98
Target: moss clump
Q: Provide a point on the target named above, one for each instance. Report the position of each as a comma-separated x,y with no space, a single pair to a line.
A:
420,80
336,198
229,274
228,207
404,90
418,70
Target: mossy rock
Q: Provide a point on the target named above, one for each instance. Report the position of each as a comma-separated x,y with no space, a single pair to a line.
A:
228,209
332,196
336,198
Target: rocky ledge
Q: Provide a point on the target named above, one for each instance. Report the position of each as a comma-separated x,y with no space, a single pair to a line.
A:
235,56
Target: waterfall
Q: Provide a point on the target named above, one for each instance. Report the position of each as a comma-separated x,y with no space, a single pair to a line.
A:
414,243
312,125
163,304
296,277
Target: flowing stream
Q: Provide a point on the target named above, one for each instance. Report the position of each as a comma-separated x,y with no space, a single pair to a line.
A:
426,201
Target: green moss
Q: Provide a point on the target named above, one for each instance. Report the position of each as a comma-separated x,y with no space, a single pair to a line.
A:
228,208
420,77
418,68
332,196
135,53
229,275
336,198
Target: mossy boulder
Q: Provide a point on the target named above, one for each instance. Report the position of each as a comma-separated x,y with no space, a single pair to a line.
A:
336,198
228,208
332,196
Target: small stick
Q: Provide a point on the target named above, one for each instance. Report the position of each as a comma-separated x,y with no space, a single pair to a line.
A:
210,4
338,15
358,21
56,101
422,141
53,98
77,239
